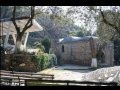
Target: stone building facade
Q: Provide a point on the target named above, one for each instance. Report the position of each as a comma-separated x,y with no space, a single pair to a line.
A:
77,50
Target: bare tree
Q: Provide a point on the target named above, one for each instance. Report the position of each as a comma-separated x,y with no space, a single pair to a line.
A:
20,33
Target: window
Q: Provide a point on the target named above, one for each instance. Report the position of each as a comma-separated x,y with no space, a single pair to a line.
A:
62,48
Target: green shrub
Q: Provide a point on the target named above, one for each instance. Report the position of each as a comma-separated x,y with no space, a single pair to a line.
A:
53,59
60,61
40,46
37,60
45,61
40,60
47,44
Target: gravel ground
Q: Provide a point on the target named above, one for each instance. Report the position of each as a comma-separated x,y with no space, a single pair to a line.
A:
102,74
82,75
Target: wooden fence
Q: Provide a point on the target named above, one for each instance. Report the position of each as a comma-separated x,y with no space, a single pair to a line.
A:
66,83
9,77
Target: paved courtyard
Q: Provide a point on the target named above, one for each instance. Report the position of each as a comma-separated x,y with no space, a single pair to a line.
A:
82,73
65,72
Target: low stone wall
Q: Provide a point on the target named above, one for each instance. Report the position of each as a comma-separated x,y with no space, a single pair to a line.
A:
19,62
5,61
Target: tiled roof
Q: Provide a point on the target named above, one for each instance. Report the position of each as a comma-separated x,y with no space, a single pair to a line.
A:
74,39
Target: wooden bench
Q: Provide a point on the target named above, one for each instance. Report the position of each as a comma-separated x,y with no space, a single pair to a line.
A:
8,79
20,77
50,76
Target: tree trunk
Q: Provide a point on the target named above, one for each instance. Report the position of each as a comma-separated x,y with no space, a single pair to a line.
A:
19,32
92,46
18,44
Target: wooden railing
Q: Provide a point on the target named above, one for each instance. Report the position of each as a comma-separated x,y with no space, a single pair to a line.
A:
27,73
20,77
68,83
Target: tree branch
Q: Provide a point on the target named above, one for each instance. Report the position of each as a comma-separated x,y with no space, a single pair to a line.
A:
108,23
13,20
30,22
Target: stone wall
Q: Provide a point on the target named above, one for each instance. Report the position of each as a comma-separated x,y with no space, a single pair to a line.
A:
19,62
109,54
76,53
5,61
80,52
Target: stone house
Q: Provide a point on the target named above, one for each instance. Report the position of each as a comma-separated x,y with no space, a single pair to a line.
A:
78,50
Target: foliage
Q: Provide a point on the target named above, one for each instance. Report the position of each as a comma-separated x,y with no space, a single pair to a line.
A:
79,32
56,24
47,44
6,11
117,51
109,15
53,58
45,61
40,46
100,55
60,61
106,32
82,15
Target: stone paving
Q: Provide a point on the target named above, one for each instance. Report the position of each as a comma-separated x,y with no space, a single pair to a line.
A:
61,74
